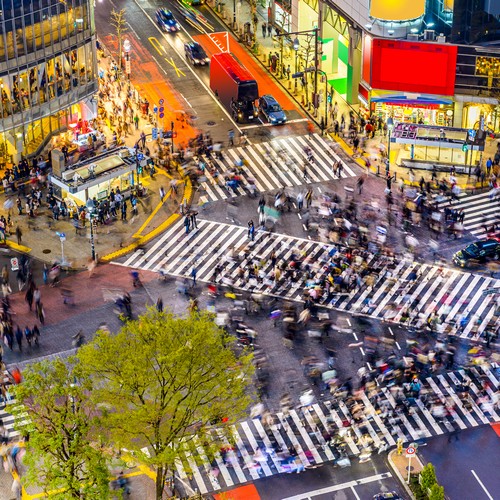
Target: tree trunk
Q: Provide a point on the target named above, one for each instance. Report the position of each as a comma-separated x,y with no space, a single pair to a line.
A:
160,482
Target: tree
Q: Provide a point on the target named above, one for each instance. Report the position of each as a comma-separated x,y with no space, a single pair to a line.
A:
436,492
428,477
165,381
119,23
63,451
255,20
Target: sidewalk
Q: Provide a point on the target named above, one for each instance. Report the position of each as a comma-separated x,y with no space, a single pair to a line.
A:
399,465
39,234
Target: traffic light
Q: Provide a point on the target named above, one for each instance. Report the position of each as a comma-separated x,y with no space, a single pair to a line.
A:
465,147
329,98
139,169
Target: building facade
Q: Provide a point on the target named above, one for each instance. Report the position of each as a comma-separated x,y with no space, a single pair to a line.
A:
48,72
395,57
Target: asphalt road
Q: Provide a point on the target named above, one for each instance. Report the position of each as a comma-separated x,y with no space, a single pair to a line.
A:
192,83
467,467
357,482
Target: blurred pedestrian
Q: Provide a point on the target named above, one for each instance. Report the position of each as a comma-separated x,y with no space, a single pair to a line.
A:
19,235
264,29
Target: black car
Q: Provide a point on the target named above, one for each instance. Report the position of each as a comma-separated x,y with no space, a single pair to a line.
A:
167,21
479,251
271,109
195,53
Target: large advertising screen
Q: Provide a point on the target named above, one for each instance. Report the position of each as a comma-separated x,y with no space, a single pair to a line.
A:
413,66
397,10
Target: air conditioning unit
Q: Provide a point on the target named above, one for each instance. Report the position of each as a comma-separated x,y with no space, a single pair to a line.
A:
68,175
429,35
413,37
441,38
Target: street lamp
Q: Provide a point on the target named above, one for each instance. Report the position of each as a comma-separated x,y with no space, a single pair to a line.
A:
91,209
315,33
390,126
172,139
296,46
126,48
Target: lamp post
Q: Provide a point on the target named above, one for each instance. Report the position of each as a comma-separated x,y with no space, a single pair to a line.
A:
390,126
172,140
126,48
325,122
315,33
234,14
296,46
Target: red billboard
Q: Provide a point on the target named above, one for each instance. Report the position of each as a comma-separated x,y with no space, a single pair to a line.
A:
413,66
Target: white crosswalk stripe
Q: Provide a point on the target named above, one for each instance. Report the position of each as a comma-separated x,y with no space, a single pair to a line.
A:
303,431
480,210
273,165
400,286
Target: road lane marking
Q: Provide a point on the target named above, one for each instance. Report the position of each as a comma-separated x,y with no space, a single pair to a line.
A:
338,487
482,485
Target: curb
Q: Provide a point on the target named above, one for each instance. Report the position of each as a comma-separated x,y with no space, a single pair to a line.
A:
396,472
188,193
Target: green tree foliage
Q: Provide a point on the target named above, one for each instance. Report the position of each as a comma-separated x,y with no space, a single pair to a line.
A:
428,477
165,381
436,492
63,452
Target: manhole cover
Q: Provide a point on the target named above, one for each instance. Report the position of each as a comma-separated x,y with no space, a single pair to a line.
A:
211,123
46,250
410,468
193,117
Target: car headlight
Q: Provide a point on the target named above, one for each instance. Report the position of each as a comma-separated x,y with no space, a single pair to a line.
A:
272,118
197,61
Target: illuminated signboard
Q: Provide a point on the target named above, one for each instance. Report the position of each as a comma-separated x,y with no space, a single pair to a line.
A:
413,66
397,10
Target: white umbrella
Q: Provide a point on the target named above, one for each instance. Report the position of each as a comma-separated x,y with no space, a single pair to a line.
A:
8,204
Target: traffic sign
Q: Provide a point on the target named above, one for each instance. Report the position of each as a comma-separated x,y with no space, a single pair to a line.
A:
162,109
410,451
155,109
161,102
162,115
154,133
14,264
140,156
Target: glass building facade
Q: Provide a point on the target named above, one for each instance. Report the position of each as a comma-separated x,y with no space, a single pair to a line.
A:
48,71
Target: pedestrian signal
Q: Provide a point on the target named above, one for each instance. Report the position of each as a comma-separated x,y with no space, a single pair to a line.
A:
154,133
465,147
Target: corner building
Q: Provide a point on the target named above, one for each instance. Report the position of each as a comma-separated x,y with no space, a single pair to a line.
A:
48,72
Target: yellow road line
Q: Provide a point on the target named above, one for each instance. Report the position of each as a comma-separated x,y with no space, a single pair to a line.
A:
188,192
151,215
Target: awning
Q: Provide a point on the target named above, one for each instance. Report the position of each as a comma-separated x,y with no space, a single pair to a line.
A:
402,100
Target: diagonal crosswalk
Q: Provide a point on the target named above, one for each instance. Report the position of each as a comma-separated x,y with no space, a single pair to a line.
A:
272,165
400,285
480,210
255,447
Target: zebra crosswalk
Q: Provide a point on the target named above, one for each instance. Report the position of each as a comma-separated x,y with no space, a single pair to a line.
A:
272,165
481,210
398,284
252,451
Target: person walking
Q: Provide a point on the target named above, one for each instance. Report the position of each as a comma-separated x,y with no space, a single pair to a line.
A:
19,338
269,30
359,184
251,230
30,294
230,136
187,223
264,29
136,121
173,186
19,235
124,209
300,201
309,197
159,304
162,194
193,275
193,220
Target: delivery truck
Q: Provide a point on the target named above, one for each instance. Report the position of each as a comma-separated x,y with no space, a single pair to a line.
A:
233,84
